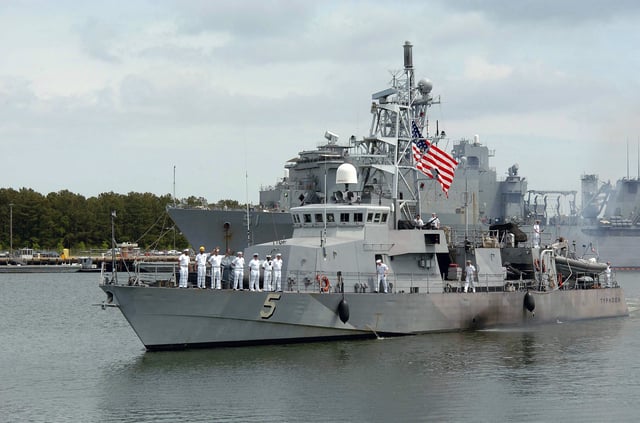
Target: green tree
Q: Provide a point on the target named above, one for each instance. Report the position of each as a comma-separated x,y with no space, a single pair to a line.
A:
67,220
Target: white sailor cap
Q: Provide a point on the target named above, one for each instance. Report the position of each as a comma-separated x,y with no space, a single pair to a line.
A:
255,254
378,261
278,255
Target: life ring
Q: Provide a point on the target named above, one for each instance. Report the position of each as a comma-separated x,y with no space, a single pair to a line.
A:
323,280
536,264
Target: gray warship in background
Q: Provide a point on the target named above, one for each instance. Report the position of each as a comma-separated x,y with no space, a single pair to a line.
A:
606,224
339,230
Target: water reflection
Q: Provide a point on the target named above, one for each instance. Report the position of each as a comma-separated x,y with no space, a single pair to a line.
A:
422,374
264,380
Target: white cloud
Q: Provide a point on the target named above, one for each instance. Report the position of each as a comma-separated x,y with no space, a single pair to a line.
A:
95,90
478,69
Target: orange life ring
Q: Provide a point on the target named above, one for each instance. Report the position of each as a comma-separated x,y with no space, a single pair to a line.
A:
323,280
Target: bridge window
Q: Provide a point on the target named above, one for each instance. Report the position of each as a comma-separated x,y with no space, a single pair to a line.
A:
376,218
319,218
344,217
307,218
357,217
384,218
330,218
369,217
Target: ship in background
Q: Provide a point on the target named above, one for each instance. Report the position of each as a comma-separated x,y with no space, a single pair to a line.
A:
606,225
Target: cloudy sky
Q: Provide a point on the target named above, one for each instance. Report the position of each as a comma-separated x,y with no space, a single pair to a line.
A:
112,96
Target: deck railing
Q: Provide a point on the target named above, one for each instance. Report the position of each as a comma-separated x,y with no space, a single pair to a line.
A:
163,275
305,281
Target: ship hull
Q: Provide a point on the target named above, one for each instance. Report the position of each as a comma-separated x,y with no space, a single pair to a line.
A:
170,318
227,229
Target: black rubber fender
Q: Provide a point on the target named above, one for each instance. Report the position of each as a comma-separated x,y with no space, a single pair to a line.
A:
343,310
529,301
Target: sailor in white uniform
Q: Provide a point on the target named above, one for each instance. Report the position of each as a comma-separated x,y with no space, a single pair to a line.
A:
418,223
434,222
267,265
470,271
277,273
607,275
215,259
536,234
254,273
184,260
382,270
201,266
238,271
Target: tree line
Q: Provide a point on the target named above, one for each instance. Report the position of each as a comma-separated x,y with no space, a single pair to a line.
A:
67,220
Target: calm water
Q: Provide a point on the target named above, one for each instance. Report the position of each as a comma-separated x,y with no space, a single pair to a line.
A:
64,360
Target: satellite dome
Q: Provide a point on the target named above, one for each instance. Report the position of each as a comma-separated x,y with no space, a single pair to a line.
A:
425,86
346,174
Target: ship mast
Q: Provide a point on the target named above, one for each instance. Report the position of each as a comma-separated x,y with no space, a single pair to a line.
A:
114,273
246,187
394,111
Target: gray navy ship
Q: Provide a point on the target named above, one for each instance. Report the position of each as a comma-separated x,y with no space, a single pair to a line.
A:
341,234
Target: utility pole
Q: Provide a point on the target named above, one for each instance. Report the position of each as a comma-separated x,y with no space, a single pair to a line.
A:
114,273
11,229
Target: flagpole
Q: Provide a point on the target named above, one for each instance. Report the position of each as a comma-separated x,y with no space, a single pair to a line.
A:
114,273
466,207
246,189
323,242
627,158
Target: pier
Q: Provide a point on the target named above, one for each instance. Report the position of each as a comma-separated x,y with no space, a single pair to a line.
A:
122,262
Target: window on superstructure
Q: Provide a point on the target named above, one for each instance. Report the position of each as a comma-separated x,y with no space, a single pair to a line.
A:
358,217
330,218
376,219
319,218
307,218
369,217
344,217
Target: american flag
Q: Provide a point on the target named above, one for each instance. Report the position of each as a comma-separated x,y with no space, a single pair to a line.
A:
432,161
